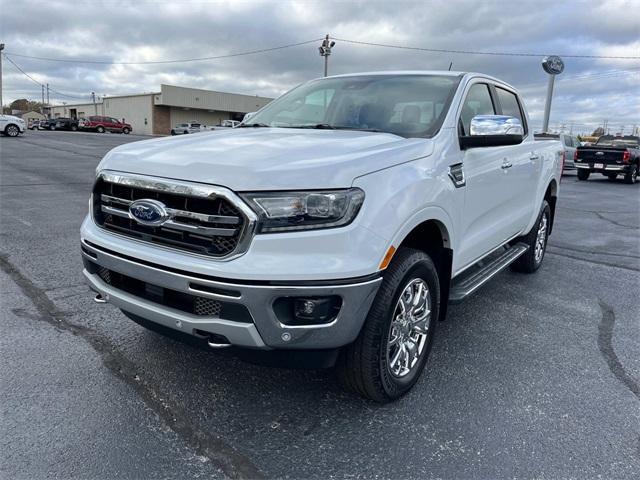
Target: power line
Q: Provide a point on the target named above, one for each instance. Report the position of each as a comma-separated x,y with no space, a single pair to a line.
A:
37,82
475,52
159,62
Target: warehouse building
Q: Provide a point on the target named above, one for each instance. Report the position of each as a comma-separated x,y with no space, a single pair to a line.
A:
155,113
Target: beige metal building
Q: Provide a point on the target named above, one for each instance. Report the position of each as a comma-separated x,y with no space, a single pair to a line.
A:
155,113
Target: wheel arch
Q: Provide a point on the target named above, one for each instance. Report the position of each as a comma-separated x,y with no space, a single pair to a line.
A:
432,237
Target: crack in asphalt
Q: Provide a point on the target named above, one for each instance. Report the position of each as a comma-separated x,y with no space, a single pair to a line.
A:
592,252
605,345
602,217
595,262
232,463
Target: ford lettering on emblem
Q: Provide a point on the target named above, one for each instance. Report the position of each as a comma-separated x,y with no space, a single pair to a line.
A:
148,212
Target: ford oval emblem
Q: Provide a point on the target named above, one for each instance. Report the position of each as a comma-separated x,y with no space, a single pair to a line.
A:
148,212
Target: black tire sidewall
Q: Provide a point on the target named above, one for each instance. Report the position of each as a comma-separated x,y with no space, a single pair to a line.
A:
100,130
394,386
12,131
583,174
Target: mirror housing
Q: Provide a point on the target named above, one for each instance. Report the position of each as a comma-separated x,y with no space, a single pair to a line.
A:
493,131
248,116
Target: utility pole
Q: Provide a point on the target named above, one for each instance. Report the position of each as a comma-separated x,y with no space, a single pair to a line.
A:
1,104
42,86
325,51
95,107
47,94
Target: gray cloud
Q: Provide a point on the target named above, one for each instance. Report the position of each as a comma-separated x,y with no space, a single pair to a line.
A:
589,91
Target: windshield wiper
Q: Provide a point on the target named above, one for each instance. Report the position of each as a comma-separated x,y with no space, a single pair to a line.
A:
254,125
327,126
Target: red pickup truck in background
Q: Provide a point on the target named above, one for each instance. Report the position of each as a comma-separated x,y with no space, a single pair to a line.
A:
611,156
102,124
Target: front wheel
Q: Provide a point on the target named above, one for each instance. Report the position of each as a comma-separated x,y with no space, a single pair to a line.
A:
100,129
126,131
74,128
12,131
632,176
583,174
392,348
52,127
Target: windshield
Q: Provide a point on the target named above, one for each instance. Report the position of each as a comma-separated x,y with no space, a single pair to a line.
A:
611,141
406,105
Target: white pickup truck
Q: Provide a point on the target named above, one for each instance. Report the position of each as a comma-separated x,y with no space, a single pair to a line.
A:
331,229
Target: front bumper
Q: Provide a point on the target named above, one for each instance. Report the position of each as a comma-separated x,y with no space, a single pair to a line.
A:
263,331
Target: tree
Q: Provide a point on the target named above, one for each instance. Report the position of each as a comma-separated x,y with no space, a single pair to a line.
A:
25,105
598,132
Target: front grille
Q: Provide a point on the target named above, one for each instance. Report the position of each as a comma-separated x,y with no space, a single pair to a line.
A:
203,307
209,225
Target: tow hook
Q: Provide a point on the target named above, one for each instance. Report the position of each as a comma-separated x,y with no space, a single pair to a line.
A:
100,299
213,344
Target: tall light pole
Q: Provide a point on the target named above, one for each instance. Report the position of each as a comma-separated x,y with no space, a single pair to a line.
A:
1,49
325,51
553,65
95,107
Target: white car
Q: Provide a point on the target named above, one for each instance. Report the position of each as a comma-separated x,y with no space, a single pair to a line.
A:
186,128
333,228
11,126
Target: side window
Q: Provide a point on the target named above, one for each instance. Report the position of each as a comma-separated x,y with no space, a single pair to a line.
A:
568,141
510,105
478,102
114,120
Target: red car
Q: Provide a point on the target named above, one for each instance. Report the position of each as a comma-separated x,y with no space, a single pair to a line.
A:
104,124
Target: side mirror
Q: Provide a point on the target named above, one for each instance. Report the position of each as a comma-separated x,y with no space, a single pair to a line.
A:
493,131
248,116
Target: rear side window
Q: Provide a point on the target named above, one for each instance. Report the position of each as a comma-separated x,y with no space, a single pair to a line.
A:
510,106
478,102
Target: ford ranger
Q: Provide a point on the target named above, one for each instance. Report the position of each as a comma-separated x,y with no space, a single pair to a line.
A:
333,227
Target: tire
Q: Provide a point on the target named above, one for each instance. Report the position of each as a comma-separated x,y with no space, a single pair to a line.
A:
100,129
186,132
74,128
632,176
583,174
366,366
531,260
126,131
173,132
612,176
11,131
52,127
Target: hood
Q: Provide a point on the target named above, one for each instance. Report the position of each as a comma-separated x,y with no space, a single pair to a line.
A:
246,159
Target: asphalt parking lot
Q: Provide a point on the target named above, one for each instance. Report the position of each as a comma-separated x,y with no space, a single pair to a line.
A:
534,376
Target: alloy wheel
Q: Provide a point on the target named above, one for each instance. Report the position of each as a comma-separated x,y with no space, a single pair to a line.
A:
541,239
409,328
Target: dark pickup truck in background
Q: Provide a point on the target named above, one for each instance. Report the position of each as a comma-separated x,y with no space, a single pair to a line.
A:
610,156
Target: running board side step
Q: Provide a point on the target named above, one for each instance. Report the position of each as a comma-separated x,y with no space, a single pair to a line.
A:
468,284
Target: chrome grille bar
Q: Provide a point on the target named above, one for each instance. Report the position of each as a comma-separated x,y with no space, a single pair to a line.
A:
203,217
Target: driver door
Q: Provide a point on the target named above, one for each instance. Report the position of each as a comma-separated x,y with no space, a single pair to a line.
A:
486,218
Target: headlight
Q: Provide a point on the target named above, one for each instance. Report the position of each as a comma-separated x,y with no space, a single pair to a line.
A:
287,211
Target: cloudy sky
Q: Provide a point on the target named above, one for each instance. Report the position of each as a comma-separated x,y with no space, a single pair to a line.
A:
588,92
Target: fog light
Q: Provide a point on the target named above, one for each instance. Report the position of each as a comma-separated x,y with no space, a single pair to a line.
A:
307,310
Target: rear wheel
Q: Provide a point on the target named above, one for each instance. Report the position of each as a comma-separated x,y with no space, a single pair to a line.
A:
536,240
632,176
74,128
52,127
391,351
583,174
100,129
612,176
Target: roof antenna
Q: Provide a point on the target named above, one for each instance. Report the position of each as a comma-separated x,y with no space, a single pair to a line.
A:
450,65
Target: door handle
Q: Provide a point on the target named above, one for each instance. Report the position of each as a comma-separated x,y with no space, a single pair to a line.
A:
534,157
506,164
